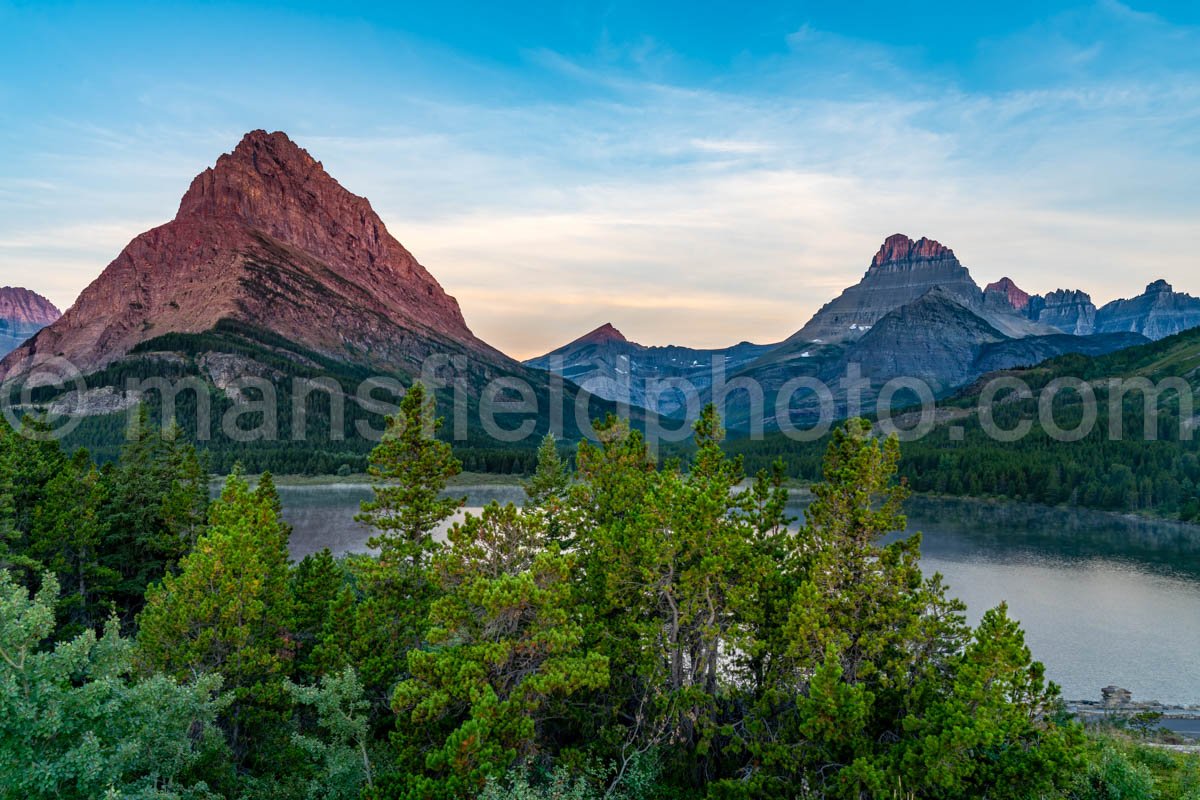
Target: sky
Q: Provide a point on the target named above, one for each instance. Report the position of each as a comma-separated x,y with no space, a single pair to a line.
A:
696,173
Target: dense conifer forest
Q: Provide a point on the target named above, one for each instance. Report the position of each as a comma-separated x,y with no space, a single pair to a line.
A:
631,631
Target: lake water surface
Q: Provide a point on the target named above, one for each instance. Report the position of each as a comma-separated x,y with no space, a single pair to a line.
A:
1103,599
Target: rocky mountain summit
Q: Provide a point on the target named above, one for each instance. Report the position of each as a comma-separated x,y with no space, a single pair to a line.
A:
606,334
1157,313
265,237
1065,310
22,314
1070,310
27,307
900,272
903,270
1004,293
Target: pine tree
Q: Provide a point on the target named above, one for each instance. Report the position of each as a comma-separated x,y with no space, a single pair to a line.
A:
780,571
155,501
67,537
671,561
316,584
411,469
505,645
30,460
994,732
547,490
866,638
229,609
184,505
265,492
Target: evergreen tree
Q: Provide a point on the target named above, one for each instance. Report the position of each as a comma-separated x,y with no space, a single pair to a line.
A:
992,734
229,609
76,725
338,743
266,492
504,647
547,490
30,460
338,643
67,537
866,637
411,469
672,561
316,583
155,499
184,505
779,556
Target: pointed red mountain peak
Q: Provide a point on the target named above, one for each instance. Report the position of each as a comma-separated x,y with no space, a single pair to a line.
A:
1016,296
265,172
272,185
265,237
605,334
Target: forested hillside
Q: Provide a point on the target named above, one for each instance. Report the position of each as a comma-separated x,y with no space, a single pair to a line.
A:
1116,466
320,432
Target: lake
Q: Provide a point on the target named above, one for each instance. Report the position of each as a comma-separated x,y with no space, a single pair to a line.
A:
1103,599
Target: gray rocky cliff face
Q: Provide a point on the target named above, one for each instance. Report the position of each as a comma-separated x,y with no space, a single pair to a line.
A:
1157,313
935,339
1070,311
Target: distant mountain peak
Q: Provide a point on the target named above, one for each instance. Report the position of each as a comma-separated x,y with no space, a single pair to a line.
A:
1017,297
18,304
22,314
605,334
1157,313
901,271
898,248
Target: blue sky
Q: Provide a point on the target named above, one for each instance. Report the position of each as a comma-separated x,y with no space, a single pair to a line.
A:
696,173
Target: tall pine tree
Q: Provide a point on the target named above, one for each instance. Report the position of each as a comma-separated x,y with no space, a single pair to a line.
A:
229,610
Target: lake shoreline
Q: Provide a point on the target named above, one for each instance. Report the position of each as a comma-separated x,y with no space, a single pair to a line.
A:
467,480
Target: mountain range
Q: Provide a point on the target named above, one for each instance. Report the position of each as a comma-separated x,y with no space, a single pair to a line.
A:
270,268
1157,313
607,364
916,313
